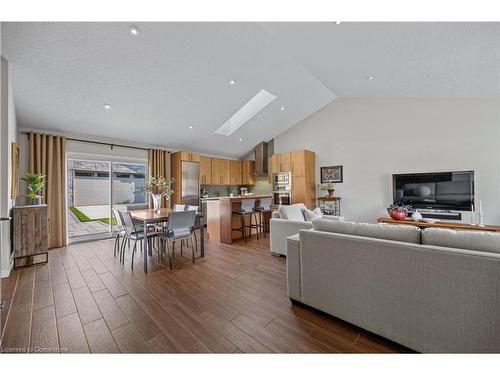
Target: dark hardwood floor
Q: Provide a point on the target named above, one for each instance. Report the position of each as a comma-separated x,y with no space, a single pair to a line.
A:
233,300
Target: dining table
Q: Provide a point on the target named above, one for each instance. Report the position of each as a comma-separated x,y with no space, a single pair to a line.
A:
150,216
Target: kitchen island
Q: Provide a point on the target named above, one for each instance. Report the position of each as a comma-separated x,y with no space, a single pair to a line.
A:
220,218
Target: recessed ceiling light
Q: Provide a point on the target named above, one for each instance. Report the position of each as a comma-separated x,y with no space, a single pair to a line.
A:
106,106
369,78
134,30
232,82
241,139
282,108
190,127
245,113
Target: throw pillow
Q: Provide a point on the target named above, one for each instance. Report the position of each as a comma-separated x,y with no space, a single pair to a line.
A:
310,215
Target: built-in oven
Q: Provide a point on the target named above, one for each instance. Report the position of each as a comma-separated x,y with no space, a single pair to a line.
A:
282,198
282,181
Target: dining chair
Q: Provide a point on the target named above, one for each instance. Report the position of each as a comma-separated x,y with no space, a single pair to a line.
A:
120,232
132,233
179,207
180,227
196,225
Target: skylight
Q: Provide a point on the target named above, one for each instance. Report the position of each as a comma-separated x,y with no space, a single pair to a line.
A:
245,113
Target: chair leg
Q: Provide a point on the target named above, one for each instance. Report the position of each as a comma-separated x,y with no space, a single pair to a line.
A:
256,225
192,247
242,220
133,253
167,242
195,240
173,249
117,244
122,250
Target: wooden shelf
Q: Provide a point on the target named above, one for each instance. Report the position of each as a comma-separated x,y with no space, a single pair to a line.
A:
440,224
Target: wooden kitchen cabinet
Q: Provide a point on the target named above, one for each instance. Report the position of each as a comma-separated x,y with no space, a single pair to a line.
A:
221,171
248,172
235,172
189,156
205,170
303,168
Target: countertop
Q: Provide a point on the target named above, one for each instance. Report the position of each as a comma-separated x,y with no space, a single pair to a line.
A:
237,197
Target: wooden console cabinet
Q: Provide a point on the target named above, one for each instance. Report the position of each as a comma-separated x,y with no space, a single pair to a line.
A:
440,224
29,234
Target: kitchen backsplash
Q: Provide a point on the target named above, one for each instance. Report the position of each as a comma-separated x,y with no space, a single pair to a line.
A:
262,186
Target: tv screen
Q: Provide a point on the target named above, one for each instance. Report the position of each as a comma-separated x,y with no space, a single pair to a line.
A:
441,190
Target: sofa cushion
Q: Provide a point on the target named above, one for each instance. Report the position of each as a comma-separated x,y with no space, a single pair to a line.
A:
292,212
462,239
403,233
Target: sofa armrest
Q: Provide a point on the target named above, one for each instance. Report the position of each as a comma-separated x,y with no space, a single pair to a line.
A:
283,228
293,267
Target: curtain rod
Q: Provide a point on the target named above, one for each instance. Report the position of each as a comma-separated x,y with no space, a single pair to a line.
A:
100,143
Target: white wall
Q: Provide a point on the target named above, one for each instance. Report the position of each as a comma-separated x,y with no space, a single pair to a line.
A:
7,137
374,138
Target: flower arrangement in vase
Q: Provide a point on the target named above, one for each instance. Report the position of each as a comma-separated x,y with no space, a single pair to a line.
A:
159,187
329,187
35,184
398,211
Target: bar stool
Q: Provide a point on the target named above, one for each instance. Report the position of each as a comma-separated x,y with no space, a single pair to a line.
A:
247,209
265,206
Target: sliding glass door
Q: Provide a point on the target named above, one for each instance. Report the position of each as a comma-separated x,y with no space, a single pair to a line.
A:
94,188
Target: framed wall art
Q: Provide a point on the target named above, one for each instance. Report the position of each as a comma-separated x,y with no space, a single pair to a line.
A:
332,174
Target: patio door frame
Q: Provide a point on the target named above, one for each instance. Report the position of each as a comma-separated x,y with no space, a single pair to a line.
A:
100,158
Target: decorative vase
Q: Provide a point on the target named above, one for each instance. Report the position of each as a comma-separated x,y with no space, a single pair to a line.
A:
36,202
398,215
156,202
416,216
330,193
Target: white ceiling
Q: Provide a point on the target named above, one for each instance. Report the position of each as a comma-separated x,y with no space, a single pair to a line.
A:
175,75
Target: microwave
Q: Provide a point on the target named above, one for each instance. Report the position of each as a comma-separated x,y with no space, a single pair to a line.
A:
282,198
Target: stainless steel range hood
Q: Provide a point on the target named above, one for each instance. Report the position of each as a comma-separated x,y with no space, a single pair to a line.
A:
262,152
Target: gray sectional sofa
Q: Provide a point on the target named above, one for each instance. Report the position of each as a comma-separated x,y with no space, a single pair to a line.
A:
433,291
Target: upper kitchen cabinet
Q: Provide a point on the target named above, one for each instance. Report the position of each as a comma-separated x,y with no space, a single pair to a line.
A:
248,172
221,171
205,170
302,163
189,156
235,172
283,162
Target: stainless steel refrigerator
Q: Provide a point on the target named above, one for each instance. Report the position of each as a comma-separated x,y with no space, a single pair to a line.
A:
190,183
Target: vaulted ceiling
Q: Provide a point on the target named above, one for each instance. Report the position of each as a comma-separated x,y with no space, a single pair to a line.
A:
170,84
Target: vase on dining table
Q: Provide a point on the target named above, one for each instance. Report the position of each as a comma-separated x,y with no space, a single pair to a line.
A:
156,202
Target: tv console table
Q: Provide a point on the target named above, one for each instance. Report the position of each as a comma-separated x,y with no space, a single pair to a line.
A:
440,224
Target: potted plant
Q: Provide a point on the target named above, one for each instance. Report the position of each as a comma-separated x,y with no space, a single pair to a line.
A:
398,211
35,184
159,187
329,187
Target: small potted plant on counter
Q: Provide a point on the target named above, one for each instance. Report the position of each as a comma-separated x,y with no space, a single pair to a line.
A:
159,187
398,211
35,184
329,187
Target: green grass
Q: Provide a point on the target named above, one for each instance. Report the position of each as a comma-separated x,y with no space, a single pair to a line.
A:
84,218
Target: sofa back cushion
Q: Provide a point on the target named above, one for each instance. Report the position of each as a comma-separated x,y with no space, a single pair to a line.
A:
292,212
462,239
403,233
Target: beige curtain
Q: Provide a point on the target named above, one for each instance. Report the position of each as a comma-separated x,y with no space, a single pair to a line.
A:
47,155
157,167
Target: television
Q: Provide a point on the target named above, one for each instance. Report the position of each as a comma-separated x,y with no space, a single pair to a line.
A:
437,190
